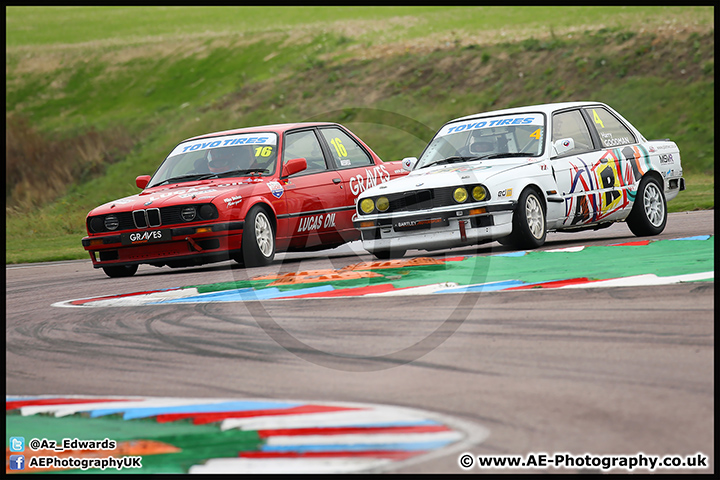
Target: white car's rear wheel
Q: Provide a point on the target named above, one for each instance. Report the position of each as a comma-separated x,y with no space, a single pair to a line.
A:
649,212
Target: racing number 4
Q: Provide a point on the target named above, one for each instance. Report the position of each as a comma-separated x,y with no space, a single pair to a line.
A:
597,120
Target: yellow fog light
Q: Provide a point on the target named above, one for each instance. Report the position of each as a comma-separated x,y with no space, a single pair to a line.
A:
460,195
367,205
479,193
383,204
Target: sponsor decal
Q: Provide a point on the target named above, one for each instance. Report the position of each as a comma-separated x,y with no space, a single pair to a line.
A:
232,201
505,193
461,169
222,185
666,158
226,141
122,201
609,141
181,193
531,119
420,224
145,237
316,222
276,189
372,177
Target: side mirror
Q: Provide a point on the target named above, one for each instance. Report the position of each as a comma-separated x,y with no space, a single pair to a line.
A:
563,145
294,166
408,163
142,181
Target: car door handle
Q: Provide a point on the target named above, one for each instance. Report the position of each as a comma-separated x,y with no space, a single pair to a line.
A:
337,180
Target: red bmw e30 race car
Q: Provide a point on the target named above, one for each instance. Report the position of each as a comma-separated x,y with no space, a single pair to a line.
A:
241,194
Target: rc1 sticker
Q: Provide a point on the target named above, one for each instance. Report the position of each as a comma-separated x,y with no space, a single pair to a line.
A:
145,237
276,189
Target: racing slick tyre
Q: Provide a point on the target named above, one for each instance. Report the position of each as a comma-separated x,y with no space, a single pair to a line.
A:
529,227
649,212
258,240
389,254
120,271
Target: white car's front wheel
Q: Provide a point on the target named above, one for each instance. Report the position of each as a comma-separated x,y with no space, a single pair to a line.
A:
529,226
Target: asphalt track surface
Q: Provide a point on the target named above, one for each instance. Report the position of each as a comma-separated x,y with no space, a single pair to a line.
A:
602,371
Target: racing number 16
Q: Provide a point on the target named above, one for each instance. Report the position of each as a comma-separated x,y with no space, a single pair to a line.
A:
263,151
339,147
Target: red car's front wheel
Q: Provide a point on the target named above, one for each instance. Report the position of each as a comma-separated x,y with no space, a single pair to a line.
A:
258,241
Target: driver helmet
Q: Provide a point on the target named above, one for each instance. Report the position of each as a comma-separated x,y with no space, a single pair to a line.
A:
481,145
220,160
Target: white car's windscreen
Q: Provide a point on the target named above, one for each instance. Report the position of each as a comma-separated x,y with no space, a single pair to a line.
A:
492,137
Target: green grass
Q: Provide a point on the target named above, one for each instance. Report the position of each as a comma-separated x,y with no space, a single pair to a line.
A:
27,26
393,75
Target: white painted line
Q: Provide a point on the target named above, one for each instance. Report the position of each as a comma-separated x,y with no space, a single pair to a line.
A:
340,419
288,465
568,249
70,409
363,438
420,290
644,280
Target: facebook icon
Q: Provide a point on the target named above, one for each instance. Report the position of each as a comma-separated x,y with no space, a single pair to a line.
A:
17,462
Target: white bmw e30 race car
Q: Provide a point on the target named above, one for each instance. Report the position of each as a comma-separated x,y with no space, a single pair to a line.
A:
513,175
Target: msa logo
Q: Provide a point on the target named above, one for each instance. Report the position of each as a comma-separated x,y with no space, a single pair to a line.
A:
505,193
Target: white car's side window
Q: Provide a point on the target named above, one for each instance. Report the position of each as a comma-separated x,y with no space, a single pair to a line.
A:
612,132
572,125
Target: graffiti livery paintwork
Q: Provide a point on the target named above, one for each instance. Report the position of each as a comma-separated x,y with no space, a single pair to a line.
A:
614,178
